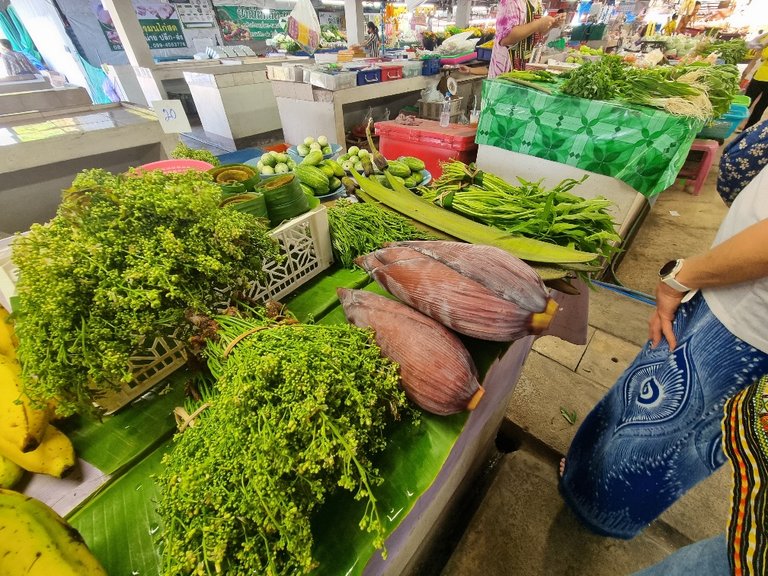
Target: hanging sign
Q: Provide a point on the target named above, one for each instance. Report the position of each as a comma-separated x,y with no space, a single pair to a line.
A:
160,24
242,23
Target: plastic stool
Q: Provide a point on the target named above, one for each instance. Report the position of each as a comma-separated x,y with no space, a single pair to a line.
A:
698,163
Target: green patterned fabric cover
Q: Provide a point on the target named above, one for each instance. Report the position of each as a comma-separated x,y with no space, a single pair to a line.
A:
642,146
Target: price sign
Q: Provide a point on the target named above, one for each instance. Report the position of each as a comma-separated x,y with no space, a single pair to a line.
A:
171,115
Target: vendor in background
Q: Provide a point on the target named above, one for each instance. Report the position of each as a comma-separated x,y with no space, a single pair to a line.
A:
518,28
14,63
689,10
372,44
671,26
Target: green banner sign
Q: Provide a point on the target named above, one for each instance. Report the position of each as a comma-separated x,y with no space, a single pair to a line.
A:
160,23
163,33
242,23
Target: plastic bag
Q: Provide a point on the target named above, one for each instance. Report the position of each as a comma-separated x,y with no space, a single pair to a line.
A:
303,26
458,44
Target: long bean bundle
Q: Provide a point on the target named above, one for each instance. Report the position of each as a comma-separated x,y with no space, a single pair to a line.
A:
358,229
529,209
299,409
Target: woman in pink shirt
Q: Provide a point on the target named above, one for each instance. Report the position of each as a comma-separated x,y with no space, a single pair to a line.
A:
518,28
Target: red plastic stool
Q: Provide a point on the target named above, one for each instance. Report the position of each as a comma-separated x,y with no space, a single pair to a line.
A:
698,163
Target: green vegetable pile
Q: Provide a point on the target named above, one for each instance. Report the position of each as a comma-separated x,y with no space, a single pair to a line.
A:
358,229
700,90
124,258
529,78
184,151
297,412
729,51
552,215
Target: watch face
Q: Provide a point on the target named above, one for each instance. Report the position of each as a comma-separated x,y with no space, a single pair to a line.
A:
667,268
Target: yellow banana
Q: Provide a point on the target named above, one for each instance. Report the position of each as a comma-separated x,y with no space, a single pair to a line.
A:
21,423
54,456
8,340
38,542
10,473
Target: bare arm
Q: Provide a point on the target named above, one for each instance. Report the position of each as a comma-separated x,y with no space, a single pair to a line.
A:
522,31
739,259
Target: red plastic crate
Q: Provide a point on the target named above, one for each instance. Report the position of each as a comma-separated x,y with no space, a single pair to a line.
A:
428,141
391,73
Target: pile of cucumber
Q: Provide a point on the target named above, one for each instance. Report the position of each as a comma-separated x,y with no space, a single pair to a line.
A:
408,168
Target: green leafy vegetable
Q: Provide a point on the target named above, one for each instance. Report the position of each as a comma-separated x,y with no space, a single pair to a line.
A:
297,412
124,259
529,209
184,151
358,229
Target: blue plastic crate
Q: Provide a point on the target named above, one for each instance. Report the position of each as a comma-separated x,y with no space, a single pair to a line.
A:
430,67
484,54
722,127
368,76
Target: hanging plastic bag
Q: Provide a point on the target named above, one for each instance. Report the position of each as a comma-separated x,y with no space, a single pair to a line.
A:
303,26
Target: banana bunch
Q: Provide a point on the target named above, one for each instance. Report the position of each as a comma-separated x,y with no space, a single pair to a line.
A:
38,542
27,439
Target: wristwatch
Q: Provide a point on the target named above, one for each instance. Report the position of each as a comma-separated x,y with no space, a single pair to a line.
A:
668,273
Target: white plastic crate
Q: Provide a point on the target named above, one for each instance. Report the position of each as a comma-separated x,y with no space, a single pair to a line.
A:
337,81
305,241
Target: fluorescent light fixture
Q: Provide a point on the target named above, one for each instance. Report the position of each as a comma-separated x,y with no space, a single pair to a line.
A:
265,11
404,5
372,4
333,2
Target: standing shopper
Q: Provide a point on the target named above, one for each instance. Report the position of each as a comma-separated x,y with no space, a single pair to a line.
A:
757,89
742,160
372,44
657,431
518,27
15,63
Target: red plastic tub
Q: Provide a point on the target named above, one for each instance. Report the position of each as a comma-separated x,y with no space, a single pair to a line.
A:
428,141
390,72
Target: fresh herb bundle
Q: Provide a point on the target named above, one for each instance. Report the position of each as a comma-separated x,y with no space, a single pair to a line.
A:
529,209
297,413
184,151
358,229
730,51
123,259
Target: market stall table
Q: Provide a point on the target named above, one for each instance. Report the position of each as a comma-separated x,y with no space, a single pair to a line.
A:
43,151
424,467
305,109
632,153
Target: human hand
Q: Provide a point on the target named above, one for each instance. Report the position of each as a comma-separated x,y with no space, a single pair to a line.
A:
660,324
559,20
545,23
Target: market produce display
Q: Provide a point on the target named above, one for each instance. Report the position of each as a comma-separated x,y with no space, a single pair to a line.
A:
38,542
296,412
702,93
310,143
478,291
125,257
273,163
183,151
319,176
437,374
358,228
555,215
729,51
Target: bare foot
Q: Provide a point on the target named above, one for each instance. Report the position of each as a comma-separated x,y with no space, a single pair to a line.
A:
562,467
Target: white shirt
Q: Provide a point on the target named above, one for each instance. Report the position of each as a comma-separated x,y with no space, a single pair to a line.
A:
743,308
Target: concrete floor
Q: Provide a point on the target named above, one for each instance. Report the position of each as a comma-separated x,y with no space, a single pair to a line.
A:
521,526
